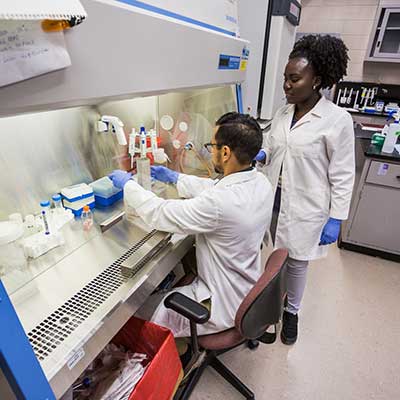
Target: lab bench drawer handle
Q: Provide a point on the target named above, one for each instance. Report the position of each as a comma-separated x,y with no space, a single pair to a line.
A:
398,177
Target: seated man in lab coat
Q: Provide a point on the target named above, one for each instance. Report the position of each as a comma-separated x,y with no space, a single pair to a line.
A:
229,218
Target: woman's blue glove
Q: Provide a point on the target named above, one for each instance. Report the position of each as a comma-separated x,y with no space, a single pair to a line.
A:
164,174
261,156
331,231
120,178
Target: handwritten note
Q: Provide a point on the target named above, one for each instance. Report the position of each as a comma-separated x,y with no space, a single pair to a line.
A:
27,51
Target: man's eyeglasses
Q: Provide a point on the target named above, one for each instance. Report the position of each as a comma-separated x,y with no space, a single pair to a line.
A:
209,146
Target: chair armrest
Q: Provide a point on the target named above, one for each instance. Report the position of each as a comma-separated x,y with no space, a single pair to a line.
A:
187,307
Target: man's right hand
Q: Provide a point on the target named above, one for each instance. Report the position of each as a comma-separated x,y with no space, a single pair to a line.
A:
163,174
119,178
261,156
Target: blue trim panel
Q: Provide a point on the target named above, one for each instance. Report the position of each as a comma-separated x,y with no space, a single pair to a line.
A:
239,99
17,359
148,7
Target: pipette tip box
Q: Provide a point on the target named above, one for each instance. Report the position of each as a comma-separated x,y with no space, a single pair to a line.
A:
105,193
77,196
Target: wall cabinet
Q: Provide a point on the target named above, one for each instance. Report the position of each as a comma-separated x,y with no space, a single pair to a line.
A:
384,43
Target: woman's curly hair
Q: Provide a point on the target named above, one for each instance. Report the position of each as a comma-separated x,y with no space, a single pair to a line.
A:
327,56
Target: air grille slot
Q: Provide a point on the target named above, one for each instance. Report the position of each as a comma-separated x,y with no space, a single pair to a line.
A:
51,332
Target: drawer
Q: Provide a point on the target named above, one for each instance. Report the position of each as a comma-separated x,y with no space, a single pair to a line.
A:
384,173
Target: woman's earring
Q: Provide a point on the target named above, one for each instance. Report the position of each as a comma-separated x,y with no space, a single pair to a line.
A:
314,87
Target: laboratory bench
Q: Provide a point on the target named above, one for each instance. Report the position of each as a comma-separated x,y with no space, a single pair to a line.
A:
74,299
374,151
373,226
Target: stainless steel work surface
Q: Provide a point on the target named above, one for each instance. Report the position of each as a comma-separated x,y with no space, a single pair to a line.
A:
384,173
83,296
57,284
75,238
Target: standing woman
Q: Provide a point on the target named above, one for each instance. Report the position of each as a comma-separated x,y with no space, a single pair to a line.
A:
309,158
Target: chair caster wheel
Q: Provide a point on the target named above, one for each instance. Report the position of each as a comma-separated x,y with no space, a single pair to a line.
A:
253,344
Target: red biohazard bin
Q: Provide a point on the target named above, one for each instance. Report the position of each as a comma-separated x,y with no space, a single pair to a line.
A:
164,373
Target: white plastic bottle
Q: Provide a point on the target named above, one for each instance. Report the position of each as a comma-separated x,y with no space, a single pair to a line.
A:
392,135
58,207
160,157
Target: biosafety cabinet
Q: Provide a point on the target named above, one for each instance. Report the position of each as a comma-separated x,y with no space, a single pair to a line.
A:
146,66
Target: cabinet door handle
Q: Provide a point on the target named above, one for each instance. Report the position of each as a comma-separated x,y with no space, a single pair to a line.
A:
398,177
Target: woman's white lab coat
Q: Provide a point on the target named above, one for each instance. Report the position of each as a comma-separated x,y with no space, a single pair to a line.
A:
229,219
317,160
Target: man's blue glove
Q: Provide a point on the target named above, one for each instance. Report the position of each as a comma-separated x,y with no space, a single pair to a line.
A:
261,156
120,178
164,174
331,231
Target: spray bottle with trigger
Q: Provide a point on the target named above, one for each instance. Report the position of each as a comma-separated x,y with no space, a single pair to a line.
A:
392,133
378,139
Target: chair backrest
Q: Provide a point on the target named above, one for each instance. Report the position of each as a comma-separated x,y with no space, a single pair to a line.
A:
263,305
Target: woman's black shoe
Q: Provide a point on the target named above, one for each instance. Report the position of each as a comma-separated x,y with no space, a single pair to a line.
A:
289,328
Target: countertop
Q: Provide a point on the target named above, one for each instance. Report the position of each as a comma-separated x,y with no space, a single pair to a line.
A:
373,151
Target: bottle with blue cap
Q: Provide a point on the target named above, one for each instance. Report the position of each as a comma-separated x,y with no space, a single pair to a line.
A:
58,208
45,213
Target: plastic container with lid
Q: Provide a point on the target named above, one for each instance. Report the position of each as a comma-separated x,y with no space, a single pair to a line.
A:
11,253
105,193
160,157
77,206
77,196
77,192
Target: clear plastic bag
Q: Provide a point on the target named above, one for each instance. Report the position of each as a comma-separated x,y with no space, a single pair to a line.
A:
112,376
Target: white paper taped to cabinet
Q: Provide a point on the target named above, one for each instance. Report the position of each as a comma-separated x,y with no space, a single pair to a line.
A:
27,51
43,9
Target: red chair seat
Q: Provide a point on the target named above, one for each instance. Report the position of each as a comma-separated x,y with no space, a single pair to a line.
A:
221,340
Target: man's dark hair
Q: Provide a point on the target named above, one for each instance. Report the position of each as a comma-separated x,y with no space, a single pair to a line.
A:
241,133
326,54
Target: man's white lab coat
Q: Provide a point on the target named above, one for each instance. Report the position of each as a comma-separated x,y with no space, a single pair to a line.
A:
316,156
229,219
